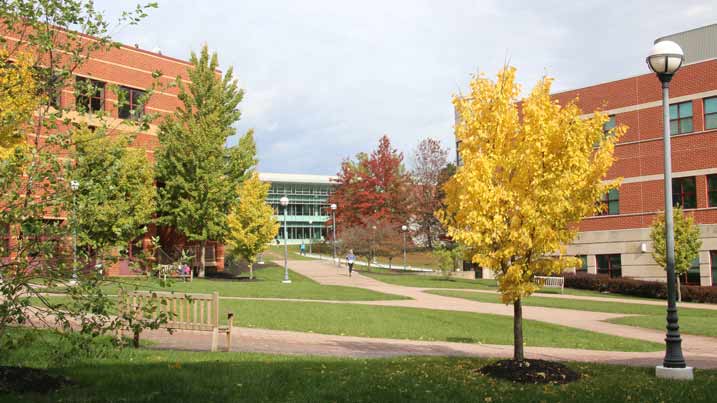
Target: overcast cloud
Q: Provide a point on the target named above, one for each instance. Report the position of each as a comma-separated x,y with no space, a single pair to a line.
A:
325,79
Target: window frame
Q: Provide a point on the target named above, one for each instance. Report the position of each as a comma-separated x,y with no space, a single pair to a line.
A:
709,114
132,94
688,278
681,194
100,94
680,119
712,190
613,196
611,270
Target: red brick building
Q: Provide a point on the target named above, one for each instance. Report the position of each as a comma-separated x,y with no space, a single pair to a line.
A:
617,242
131,69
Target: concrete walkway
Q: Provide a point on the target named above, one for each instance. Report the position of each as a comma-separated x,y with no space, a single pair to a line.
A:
325,273
700,352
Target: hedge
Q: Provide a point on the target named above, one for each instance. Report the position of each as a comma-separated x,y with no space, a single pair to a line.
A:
638,288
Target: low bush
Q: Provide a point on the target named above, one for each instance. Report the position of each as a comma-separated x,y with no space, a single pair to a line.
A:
638,288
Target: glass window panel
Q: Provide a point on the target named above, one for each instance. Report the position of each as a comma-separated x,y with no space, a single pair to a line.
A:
712,190
693,274
711,121
673,127
713,260
614,208
673,111
584,265
686,125
685,109
688,184
711,105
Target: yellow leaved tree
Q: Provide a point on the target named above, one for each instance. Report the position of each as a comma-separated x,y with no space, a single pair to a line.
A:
18,100
531,170
251,221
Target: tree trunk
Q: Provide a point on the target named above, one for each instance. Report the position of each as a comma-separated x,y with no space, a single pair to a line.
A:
518,354
251,271
679,289
389,263
202,261
135,339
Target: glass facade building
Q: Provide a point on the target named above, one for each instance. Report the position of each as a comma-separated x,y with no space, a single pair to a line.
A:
308,210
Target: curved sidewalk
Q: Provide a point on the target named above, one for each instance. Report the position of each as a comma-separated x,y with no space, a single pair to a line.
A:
326,273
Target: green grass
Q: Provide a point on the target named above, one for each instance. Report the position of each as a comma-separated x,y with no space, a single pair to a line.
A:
416,324
425,281
692,321
267,285
689,324
172,376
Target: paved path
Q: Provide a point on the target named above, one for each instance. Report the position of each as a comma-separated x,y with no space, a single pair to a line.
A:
700,352
287,342
325,273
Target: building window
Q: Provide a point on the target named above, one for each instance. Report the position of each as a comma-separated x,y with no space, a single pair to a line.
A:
89,95
609,125
692,276
713,259
459,161
610,203
712,190
681,118
584,266
684,192
131,103
711,113
610,265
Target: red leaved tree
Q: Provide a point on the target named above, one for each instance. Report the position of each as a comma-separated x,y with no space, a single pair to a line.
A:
372,187
429,161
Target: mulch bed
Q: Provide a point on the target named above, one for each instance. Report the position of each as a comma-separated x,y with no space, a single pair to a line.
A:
30,380
531,371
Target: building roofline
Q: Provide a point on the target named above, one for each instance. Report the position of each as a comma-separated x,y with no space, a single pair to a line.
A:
628,77
662,38
297,178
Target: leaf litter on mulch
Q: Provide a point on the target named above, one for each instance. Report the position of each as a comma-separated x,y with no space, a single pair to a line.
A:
531,371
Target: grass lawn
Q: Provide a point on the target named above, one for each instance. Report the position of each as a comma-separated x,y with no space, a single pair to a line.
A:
416,324
692,321
267,285
424,281
689,324
171,376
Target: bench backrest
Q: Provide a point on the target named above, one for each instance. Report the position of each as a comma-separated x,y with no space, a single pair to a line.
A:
550,281
186,311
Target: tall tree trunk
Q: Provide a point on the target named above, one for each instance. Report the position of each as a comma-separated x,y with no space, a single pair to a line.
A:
251,271
429,237
389,262
679,289
202,261
518,354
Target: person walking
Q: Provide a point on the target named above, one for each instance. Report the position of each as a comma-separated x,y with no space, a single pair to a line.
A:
350,258
302,249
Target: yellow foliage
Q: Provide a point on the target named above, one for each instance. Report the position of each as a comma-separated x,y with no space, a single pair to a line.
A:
530,172
18,101
251,221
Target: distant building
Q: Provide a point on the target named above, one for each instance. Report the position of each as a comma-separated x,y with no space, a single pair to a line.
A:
308,210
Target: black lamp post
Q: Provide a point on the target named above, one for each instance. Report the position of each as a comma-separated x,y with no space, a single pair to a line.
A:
665,59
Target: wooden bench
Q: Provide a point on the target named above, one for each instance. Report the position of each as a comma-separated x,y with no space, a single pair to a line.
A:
185,311
173,271
550,282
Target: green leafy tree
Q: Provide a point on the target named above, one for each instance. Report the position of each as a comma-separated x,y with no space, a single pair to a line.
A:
116,194
687,243
34,187
198,175
251,221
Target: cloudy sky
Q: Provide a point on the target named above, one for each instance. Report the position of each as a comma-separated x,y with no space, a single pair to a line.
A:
325,79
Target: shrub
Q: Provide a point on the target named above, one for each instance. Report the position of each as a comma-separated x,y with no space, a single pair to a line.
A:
638,288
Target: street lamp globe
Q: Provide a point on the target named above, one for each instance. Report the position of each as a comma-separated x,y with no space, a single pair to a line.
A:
404,228
284,201
333,206
665,58
74,185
